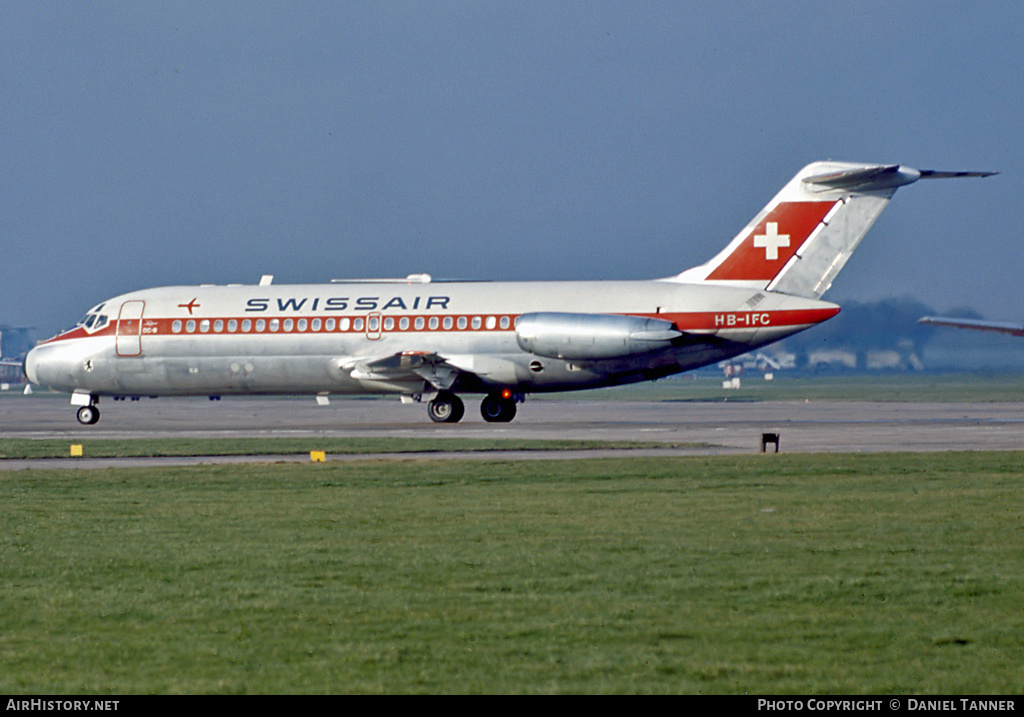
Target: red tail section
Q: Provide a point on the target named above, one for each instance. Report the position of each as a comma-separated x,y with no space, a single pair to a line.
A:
761,255
801,239
798,243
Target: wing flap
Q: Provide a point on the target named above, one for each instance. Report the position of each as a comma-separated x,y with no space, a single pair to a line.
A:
441,371
404,366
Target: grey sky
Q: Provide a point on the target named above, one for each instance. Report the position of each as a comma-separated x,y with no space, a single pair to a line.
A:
149,143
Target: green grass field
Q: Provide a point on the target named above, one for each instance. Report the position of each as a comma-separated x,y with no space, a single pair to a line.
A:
755,574
150,447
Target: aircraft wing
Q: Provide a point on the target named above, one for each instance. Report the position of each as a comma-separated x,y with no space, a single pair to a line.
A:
405,366
439,370
978,325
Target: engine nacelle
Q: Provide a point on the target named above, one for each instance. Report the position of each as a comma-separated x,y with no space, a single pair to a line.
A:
592,337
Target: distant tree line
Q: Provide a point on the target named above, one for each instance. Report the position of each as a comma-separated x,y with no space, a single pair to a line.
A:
888,324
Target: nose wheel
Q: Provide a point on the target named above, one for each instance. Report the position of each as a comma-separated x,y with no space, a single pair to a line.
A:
88,415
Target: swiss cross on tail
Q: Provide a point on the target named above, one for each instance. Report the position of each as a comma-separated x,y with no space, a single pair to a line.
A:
772,242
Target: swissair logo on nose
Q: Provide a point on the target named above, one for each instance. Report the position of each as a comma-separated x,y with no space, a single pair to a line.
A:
771,240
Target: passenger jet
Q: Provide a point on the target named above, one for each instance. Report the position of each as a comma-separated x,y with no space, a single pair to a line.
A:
438,341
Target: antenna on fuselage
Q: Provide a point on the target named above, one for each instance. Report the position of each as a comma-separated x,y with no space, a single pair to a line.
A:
410,279
266,280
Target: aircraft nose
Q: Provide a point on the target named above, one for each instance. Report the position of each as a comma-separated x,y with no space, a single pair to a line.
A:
62,366
28,366
39,366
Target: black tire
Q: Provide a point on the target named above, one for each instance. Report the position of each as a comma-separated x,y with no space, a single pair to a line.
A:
446,408
496,409
88,415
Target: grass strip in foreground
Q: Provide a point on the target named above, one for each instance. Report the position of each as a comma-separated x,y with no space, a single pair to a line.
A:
764,574
163,447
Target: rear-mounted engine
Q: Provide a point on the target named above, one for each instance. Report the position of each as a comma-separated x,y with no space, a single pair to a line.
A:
592,337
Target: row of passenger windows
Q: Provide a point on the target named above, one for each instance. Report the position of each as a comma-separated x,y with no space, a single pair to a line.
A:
371,324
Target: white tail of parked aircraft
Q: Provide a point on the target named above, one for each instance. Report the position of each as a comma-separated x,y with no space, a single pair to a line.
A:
439,340
998,327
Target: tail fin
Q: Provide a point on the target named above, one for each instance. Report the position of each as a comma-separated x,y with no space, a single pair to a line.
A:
798,243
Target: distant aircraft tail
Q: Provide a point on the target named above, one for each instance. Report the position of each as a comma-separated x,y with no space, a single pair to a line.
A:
798,243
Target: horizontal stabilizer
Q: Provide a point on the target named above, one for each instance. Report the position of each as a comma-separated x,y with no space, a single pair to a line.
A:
933,174
865,179
887,176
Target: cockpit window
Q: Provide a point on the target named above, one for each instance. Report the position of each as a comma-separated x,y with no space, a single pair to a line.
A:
93,321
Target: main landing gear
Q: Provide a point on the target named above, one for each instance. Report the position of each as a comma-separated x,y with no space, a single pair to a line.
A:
498,407
446,408
495,408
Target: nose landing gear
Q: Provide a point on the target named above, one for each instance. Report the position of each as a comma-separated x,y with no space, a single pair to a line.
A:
88,415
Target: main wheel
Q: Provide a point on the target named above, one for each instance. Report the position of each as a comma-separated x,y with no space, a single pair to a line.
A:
88,415
446,408
497,409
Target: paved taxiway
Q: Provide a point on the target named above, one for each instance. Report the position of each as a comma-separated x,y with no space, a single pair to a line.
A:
705,428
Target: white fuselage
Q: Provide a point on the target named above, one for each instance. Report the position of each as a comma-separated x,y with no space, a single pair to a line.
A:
313,339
